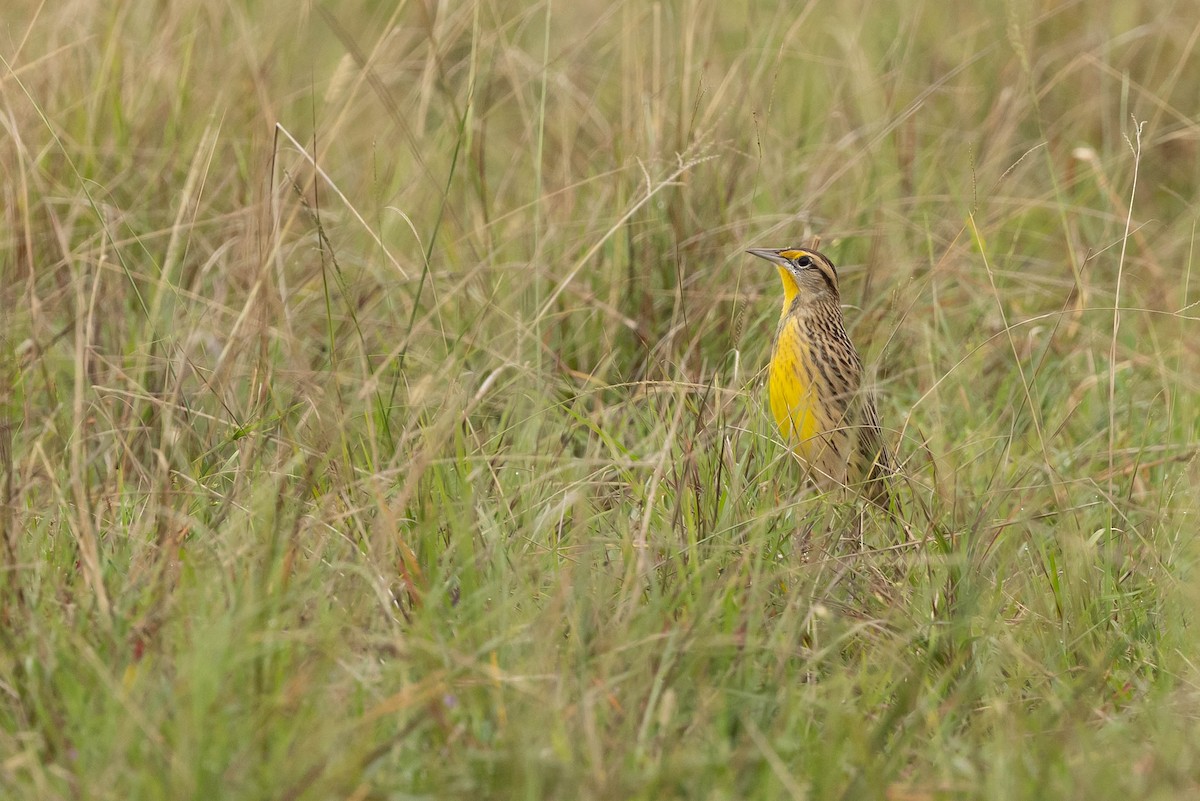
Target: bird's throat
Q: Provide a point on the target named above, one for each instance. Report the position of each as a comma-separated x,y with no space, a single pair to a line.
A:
790,288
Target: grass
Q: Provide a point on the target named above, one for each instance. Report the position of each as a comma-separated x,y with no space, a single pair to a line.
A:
381,405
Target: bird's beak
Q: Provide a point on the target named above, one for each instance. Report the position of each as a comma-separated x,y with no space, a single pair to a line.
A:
770,255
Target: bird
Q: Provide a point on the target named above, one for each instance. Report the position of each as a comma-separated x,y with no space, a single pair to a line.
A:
824,413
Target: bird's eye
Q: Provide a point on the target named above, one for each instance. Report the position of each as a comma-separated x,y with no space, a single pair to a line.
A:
804,261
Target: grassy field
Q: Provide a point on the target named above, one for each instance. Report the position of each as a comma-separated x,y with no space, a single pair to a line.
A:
382,409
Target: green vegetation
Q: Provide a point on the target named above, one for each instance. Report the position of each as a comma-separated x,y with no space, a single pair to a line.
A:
381,405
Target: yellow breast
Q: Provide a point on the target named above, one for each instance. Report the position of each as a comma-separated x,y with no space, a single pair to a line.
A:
794,396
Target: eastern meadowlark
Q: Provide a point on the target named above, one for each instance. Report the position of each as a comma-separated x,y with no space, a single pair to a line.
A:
815,381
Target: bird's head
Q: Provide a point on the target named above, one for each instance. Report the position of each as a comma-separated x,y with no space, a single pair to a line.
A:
805,273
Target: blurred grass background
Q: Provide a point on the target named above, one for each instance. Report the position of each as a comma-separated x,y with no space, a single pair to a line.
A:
381,407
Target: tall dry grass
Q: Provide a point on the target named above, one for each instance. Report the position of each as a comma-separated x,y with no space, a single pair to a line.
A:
381,411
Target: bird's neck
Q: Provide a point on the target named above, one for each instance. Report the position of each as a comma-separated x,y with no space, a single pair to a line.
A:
806,301
802,306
